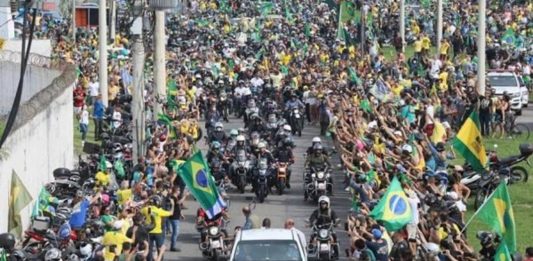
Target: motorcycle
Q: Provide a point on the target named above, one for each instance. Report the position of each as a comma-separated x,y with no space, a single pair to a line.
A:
281,176
214,247
241,168
296,121
518,173
322,247
319,184
488,183
261,189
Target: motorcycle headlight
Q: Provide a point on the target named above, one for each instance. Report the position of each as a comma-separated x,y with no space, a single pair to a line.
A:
213,231
313,175
323,233
320,175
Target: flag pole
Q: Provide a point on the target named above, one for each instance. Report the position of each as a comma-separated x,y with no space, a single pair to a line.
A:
479,209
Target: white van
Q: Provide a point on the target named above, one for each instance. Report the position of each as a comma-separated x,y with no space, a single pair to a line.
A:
509,82
268,244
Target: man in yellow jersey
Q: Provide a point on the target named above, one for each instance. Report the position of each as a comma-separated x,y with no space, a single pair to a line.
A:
113,241
156,235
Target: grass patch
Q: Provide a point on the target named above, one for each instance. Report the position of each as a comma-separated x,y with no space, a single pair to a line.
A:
78,149
521,197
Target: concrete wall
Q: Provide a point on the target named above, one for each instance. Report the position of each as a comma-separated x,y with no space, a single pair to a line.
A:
38,46
36,78
42,140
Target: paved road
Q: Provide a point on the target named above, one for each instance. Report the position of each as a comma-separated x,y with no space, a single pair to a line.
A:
277,208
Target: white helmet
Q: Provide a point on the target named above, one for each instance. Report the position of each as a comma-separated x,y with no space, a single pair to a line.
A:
323,199
317,139
287,127
261,145
240,138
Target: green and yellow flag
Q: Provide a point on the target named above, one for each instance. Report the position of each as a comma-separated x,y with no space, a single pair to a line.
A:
497,213
502,253
393,208
469,144
19,197
196,175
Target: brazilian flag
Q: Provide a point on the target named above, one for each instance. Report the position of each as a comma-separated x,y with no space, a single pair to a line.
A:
393,208
196,175
497,212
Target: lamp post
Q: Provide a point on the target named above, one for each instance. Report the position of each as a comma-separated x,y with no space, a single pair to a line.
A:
102,41
481,48
159,45
402,23
439,24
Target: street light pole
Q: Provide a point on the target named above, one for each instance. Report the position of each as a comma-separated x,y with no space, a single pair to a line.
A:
137,107
160,74
112,28
439,24
481,47
74,20
402,23
102,41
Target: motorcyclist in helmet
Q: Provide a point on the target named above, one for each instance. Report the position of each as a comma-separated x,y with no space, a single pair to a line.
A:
284,154
293,103
218,134
315,141
231,141
322,217
284,132
262,154
256,123
214,153
212,117
203,222
317,160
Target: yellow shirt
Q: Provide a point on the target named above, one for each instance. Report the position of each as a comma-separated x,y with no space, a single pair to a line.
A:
286,59
113,91
426,43
443,85
444,48
159,214
397,89
124,195
115,238
102,178
418,46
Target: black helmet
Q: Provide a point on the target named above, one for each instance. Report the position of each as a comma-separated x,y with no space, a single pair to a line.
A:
156,201
7,241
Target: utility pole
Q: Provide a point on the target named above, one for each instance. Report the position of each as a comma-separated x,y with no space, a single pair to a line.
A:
112,28
481,48
402,23
439,24
363,21
74,20
102,41
137,106
160,75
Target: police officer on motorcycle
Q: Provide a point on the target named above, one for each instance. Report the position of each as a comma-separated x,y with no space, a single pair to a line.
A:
262,154
315,141
317,159
218,134
256,123
293,103
284,154
323,216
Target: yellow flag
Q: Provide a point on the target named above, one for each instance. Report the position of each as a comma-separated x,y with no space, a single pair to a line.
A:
19,197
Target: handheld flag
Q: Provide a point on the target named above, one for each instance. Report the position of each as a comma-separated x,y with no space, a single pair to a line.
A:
502,253
393,208
41,203
103,163
119,169
497,212
196,175
19,197
469,144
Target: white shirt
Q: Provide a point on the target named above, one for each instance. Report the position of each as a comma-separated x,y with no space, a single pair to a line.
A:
414,201
246,91
257,82
430,112
94,89
84,119
239,91
117,117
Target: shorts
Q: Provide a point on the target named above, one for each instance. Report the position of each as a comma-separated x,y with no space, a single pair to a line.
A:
159,239
411,231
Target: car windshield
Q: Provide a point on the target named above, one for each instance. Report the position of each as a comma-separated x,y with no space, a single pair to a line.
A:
274,250
502,80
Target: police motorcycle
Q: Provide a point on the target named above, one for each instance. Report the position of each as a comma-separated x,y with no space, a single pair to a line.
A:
239,171
250,109
323,243
319,183
213,236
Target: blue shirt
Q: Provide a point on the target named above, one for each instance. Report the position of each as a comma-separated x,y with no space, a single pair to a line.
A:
99,109
77,219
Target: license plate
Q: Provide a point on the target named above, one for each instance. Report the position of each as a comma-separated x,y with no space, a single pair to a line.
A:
324,247
321,186
215,244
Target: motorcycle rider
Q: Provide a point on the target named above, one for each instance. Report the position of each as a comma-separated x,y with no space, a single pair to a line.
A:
284,154
324,215
214,154
212,117
239,146
317,160
203,221
218,134
282,134
262,153
315,141
256,123
231,141
293,103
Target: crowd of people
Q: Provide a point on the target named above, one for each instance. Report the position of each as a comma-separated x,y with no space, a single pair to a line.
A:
389,113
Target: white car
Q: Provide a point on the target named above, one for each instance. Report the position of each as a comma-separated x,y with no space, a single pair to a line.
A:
268,244
510,83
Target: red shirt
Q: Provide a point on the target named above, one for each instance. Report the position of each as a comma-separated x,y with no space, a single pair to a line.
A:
79,97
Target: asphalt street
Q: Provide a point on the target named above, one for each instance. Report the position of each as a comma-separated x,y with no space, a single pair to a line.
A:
277,208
